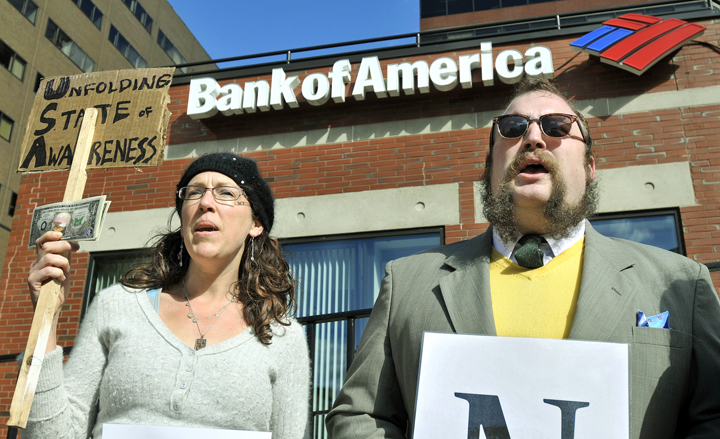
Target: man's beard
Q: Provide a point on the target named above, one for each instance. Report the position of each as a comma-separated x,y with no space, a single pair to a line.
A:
559,216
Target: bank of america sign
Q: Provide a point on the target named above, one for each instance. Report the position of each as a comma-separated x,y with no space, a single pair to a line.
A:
635,42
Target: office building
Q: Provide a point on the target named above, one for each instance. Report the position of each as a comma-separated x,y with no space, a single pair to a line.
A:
42,38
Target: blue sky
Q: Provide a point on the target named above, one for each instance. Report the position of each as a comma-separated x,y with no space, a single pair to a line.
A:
229,28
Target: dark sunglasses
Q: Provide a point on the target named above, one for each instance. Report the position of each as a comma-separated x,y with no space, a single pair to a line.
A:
512,126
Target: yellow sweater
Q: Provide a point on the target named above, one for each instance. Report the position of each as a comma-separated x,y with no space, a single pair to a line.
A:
536,303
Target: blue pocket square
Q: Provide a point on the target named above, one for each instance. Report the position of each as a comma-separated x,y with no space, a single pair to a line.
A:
656,321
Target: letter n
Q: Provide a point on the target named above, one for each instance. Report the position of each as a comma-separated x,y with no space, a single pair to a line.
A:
567,415
485,412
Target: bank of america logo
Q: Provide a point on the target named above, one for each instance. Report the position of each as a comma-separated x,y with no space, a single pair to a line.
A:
636,42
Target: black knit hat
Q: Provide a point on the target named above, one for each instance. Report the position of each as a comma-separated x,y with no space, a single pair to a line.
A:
245,173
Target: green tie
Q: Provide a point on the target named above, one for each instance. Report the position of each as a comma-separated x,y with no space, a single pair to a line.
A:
529,254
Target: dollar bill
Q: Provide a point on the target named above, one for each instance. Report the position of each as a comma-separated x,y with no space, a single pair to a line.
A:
77,220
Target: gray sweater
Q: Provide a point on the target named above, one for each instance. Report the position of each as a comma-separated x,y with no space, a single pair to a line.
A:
127,367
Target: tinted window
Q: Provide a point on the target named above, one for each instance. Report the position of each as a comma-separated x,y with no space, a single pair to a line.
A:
656,230
459,6
432,8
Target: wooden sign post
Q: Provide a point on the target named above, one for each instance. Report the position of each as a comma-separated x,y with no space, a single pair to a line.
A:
123,119
45,308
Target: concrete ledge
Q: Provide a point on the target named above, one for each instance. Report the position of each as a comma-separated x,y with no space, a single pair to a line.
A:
691,97
646,187
355,212
368,211
621,190
634,188
130,230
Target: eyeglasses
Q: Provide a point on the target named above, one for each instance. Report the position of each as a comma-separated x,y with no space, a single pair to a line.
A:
512,126
220,193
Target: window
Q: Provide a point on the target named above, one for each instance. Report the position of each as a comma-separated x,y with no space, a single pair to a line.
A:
106,269
140,13
12,61
432,8
126,49
13,202
26,7
459,6
91,11
6,126
67,46
660,228
338,278
437,8
171,50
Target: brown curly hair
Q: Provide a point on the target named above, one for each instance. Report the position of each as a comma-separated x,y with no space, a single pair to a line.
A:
264,286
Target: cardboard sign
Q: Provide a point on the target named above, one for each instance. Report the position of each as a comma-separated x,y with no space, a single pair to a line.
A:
131,127
521,388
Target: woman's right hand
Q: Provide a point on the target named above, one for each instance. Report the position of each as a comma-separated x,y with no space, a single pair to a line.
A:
51,264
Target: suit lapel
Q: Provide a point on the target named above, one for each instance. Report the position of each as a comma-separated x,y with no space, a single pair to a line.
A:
466,291
605,291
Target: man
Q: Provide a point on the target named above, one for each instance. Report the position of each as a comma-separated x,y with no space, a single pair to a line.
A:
540,180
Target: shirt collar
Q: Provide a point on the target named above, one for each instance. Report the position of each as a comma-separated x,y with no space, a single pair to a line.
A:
553,248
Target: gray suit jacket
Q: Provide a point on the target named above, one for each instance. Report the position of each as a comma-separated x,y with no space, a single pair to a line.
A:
674,376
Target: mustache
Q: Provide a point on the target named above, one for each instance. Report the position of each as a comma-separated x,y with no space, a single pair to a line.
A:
546,159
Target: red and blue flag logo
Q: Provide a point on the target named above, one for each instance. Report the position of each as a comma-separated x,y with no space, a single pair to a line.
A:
636,42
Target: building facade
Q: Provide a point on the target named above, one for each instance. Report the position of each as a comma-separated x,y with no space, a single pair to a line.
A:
376,154
41,38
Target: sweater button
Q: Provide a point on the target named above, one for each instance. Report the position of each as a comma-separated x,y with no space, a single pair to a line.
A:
183,385
176,407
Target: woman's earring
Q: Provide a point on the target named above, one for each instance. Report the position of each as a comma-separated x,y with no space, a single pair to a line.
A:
252,249
180,254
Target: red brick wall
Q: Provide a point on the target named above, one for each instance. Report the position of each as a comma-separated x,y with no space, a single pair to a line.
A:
688,134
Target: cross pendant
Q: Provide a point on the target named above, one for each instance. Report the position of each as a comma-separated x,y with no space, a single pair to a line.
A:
200,343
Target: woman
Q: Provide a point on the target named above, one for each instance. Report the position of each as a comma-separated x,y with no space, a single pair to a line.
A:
198,337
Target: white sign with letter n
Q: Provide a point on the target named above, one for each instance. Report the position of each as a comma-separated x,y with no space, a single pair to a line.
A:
486,387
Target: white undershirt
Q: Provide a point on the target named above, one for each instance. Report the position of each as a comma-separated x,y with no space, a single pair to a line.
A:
552,248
